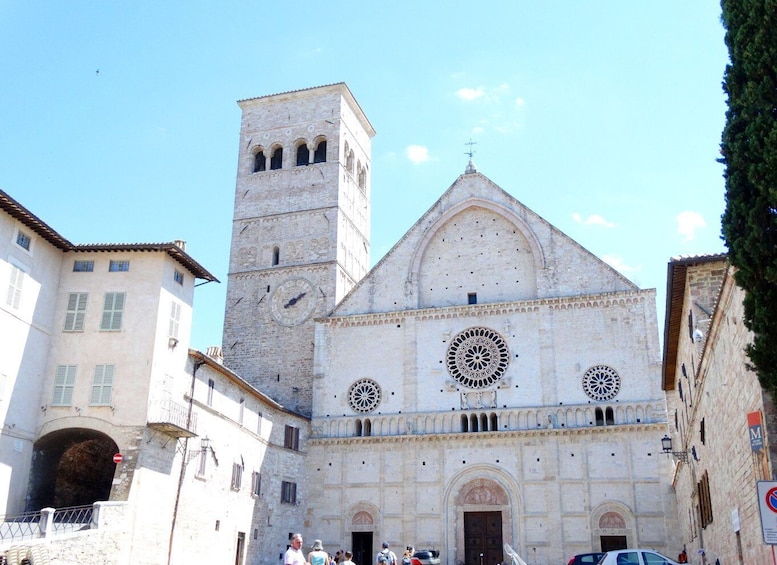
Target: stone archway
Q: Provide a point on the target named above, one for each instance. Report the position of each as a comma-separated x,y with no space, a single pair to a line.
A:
612,527
71,467
483,515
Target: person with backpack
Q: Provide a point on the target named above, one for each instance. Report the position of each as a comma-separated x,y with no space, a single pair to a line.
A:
386,556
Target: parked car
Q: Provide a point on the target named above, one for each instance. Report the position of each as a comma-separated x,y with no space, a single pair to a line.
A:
635,557
585,559
426,557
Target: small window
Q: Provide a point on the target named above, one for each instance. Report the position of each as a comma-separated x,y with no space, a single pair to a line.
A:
291,438
23,240
241,410
276,255
237,476
303,155
83,266
349,162
320,155
472,298
118,266
259,423
76,311
276,161
14,296
102,385
211,388
203,462
256,484
113,311
64,383
289,492
178,276
260,162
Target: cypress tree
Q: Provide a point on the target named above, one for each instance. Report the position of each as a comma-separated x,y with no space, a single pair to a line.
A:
749,153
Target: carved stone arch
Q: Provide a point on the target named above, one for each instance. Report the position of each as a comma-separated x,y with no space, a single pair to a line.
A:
613,519
442,221
476,489
362,516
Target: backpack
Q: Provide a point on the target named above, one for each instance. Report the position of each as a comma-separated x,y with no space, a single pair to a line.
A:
383,558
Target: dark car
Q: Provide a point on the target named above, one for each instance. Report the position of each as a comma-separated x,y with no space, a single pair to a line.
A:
585,559
426,557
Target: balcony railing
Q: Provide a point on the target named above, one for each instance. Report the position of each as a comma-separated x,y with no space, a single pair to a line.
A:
173,419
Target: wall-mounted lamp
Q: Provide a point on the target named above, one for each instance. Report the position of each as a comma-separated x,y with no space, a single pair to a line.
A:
204,444
666,445
172,342
697,335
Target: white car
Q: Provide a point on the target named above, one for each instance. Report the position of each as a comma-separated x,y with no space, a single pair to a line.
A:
635,557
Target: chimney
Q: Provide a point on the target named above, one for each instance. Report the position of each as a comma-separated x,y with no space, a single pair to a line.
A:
180,243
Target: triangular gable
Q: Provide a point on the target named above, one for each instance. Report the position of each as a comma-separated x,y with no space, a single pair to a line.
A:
478,243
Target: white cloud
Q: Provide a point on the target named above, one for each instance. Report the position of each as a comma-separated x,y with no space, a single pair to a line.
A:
519,102
418,153
592,220
688,222
470,93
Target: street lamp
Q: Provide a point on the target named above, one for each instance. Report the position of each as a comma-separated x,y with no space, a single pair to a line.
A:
666,445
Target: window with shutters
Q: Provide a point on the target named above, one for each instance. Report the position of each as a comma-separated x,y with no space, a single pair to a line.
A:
64,383
291,438
237,476
256,483
705,501
175,320
76,311
211,388
102,385
178,276
14,297
113,310
288,492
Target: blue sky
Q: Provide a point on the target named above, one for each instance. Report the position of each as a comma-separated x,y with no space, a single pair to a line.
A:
603,116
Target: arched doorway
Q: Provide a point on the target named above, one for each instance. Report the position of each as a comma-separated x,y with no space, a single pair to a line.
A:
71,467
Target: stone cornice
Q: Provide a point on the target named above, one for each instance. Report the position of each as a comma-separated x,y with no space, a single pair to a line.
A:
606,300
478,437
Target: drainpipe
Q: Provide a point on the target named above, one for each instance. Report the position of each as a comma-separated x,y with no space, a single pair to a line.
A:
182,474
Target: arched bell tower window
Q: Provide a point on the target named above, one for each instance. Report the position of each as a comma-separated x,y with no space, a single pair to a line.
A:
276,255
276,161
349,162
320,155
260,162
464,423
362,176
303,155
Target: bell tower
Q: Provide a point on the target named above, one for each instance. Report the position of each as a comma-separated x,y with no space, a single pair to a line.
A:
300,232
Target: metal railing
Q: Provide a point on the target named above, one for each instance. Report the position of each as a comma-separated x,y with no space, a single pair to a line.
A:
45,523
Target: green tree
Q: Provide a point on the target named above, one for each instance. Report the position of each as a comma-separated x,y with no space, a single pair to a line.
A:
749,149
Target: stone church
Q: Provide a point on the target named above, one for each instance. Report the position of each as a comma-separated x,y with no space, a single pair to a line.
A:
488,382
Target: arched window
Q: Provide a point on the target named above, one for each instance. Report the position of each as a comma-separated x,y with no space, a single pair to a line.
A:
276,255
362,178
320,155
303,155
599,417
494,424
484,422
367,428
276,161
464,423
609,416
473,422
349,162
260,162
358,428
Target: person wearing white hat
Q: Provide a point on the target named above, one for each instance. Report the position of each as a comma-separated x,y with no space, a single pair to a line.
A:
318,556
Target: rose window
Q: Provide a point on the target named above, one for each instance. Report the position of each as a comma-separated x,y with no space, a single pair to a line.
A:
601,382
364,395
477,357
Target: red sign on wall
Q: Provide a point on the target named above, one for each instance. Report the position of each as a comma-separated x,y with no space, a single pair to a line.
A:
755,429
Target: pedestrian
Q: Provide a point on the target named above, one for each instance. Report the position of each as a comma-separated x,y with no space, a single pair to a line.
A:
318,556
386,556
294,554
683,557
338,556
347,556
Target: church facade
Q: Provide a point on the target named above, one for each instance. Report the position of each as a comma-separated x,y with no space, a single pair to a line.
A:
488,382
